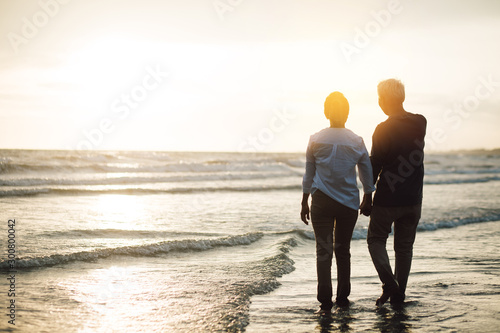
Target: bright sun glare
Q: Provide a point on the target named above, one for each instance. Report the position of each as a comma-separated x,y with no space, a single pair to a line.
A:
119,211
105,62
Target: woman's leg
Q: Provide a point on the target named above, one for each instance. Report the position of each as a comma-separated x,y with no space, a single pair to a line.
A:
344,226
322,223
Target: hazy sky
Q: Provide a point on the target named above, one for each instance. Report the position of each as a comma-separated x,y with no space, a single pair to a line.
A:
241,75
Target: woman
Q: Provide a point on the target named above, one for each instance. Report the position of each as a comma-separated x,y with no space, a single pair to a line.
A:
330,177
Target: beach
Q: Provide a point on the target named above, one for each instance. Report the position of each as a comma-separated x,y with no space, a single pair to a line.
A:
152,160
453,287
212,242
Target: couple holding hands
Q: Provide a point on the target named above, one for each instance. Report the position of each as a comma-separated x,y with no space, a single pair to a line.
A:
395,165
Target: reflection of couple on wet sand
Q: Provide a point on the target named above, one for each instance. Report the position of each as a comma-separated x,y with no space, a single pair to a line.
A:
395,165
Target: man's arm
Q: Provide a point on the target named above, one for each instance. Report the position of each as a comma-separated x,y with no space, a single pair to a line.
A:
366,177
378,153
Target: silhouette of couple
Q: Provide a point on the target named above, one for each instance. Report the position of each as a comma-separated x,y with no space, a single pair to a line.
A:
395,165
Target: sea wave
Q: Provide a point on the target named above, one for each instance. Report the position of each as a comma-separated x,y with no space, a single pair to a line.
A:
289,183
429,225
468,170
123,179
183,184
458,221
260,278
122,233
27,173
139,190
186,245
26,162
50,162
471,180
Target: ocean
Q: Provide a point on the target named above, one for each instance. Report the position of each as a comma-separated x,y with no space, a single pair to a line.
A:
129,241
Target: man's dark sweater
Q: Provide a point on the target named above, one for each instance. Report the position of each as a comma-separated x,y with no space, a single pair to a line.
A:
397,159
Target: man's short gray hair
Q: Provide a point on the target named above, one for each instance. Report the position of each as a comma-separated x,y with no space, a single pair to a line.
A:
392,89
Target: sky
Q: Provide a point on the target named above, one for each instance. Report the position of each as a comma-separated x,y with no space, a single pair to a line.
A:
241,75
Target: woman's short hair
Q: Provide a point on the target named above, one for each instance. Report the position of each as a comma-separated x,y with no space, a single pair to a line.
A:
336,107
392,90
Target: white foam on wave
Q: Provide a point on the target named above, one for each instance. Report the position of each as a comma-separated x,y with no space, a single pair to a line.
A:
260,277
140,250
361,233
456,222
123,233
472,180
140,162
86,190
138,178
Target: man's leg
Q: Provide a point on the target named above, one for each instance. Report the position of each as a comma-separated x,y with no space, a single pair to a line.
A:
323,232
379,229
405,229
345,222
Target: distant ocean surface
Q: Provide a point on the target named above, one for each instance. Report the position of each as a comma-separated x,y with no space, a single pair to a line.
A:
181,241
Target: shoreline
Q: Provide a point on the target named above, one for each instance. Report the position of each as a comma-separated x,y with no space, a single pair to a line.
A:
452,286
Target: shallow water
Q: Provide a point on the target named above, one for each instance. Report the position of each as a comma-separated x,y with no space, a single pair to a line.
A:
144,241
454,287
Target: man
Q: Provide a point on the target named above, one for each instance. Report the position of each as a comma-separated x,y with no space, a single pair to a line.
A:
397,159
330,176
